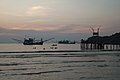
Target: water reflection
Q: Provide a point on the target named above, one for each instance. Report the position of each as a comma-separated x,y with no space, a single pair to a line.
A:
60,66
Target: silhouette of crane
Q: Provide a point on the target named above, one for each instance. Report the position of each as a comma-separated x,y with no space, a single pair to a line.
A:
95,33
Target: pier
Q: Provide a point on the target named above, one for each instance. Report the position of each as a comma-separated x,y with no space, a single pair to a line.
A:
97,42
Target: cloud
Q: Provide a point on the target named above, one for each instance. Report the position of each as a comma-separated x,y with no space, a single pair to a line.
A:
32,11
37,11
35,27
72,28
59,28
6,34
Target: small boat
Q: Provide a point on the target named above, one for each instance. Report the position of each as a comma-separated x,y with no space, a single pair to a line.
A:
54,45
66,42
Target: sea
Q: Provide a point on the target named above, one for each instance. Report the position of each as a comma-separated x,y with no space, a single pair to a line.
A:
83,65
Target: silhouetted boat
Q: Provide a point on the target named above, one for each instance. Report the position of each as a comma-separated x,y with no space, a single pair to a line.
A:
66,42
32,41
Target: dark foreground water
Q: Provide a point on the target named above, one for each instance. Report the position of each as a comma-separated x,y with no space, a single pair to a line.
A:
60,66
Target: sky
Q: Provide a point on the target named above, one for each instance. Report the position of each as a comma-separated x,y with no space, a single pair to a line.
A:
62,19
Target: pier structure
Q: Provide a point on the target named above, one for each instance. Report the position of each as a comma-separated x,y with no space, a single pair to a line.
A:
98,45
97,42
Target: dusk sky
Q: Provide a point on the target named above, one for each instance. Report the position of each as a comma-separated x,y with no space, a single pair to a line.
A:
61,19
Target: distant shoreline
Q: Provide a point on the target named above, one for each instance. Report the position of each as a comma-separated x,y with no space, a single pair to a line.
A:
59,51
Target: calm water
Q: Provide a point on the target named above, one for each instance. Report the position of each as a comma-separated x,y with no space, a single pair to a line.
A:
60,66
21,47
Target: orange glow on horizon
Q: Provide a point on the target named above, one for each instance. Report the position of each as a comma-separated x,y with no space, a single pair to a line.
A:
40,28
